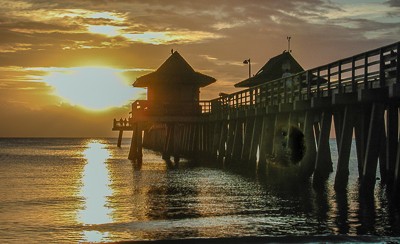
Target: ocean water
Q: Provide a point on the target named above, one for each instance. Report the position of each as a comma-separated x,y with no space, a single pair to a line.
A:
85,190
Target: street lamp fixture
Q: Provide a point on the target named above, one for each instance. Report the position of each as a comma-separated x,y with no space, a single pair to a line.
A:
247,61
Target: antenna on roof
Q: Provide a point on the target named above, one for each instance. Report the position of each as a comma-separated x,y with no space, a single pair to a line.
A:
172,51
288,39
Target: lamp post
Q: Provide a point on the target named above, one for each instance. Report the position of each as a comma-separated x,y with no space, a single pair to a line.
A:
247,61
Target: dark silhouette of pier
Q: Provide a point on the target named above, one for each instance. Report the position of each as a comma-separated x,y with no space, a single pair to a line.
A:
283,123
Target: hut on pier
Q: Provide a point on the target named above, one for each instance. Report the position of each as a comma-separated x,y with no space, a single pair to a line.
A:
173,89
277,67
173,92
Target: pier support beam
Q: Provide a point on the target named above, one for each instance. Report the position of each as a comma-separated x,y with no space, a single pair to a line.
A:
345,137
222,142
266,141
135,152
392,132
361,134
372,151
323,160
237,142
308,162
255,142
248,139
396,181
120,138
169,142
215,139
230,140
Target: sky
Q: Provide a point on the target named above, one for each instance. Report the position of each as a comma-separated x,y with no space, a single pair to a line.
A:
67,67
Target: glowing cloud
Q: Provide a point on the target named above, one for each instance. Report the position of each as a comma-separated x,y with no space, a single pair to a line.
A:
107,30
171,37
106,15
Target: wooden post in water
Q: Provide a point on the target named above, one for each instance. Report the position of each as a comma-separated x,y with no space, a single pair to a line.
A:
396,181
187,138
392,126
323,160
133,149
169,142
346,133
176,143
139,154
382,152
120,138
230,140
222,142
237,141
266,141
337,121
361,133
255,142
248,139
373,147
308,161
135,152
215,139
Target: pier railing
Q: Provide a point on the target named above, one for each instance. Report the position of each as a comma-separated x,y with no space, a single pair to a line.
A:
122,124
377,68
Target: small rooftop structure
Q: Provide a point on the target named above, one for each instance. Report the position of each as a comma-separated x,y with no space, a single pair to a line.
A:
174,88
275,68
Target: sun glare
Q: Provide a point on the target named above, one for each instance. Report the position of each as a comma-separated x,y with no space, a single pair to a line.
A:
94,88
95,190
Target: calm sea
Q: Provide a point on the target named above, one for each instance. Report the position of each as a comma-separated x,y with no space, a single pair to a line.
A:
78,190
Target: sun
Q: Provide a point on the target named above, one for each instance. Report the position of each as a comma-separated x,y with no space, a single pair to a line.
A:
93,88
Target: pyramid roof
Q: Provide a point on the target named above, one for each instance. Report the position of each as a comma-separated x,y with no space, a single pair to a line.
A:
175,70
272,70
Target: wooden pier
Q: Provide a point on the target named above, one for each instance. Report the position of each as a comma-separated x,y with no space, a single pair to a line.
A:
288,121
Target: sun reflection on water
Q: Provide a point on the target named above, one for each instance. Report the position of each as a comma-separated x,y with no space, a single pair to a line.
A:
95,190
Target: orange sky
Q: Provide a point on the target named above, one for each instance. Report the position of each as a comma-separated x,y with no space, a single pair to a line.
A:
66,66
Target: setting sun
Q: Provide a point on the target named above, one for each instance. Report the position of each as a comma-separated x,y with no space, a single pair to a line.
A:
94,88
